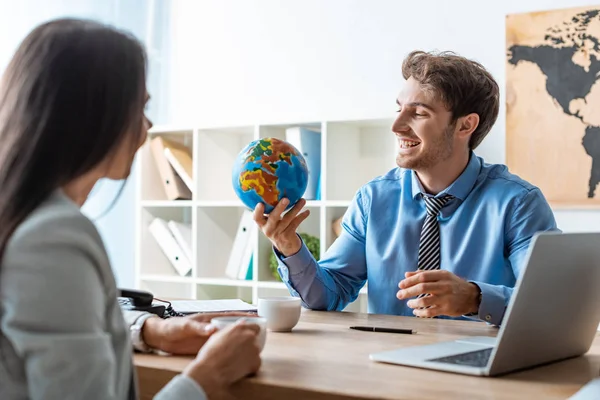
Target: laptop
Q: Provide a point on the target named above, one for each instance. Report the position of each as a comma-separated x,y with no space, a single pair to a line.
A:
552,315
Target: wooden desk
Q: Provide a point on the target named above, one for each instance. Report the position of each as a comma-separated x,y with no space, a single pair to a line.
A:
323,359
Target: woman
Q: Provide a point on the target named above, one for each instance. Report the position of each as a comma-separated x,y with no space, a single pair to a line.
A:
72,112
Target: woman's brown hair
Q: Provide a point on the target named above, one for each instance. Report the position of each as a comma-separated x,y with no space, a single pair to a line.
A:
73,92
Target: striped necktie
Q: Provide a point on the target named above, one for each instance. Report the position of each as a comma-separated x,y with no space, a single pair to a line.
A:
429,244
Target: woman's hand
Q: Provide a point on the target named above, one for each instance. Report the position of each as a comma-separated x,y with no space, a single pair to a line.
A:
228,356
182,335
281,230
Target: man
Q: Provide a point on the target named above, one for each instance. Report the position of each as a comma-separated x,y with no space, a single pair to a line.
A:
443,235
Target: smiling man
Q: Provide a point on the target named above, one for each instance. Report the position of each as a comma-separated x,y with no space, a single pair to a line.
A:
445,234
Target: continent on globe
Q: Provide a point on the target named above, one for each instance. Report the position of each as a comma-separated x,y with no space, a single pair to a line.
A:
568,56
268,170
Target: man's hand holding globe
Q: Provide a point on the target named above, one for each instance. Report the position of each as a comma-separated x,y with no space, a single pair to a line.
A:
270,176
281,230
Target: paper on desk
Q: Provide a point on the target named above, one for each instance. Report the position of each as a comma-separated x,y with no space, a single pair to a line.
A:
200,306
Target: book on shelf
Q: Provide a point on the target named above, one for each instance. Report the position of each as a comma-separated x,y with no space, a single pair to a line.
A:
175,187
308,142
159,229
181,161
243,247
183,236
337,226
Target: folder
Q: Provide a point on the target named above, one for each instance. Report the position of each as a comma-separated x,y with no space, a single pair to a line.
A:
181,161
241,250
211,306
245,271
175,188
167,243
183,236
308,142
337,226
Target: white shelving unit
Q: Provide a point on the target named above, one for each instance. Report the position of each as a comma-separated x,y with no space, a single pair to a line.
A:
353,153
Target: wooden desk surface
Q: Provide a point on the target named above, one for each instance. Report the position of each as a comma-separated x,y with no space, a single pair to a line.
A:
323,359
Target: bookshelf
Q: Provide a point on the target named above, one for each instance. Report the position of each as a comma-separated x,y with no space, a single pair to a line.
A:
352,153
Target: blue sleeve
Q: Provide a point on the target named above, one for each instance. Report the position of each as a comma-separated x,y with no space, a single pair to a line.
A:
531,214
335,281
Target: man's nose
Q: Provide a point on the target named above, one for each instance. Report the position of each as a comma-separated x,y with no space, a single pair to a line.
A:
400,124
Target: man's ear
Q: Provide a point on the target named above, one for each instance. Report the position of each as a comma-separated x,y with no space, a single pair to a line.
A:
466,125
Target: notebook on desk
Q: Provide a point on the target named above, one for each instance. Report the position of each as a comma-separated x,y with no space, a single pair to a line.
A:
206,306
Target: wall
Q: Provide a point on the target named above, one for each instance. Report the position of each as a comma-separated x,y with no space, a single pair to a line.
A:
237,62
18,18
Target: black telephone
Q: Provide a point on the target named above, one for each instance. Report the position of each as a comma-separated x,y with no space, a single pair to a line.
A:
138,300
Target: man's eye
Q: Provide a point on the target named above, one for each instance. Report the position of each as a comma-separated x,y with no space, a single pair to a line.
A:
398,110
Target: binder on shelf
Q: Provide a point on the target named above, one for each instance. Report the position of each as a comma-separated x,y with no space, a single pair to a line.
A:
166,241
181,161
308,142
245,272
175,188
250,268
241,250
183,236
318,194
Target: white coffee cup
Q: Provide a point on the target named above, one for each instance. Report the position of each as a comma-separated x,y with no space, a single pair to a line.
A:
222,322
282,313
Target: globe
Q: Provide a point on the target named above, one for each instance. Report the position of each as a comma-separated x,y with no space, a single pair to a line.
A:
266,171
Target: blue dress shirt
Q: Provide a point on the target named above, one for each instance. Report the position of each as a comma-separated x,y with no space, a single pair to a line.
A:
485,233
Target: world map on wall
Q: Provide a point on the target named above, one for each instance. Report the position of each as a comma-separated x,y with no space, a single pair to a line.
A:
553,102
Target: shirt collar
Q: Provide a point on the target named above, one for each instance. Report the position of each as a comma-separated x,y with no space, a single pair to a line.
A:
461,187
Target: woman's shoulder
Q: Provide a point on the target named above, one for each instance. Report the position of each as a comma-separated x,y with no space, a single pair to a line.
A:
57,228
55,220
56,244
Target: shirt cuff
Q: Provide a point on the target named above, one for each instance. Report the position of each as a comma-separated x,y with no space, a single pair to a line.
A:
297,263
294,265
181,387
136,330
493,303
131,316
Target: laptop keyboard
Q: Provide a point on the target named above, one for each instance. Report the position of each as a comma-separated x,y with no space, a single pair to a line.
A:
477,358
